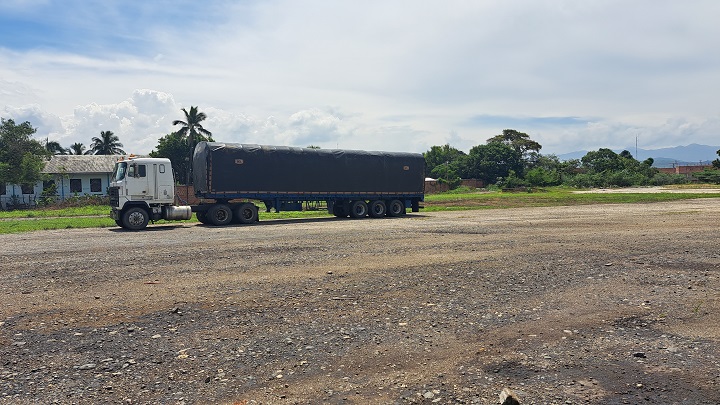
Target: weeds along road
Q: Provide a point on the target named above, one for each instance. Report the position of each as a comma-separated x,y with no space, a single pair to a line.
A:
594,304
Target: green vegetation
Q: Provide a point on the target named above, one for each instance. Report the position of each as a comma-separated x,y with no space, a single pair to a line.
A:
555,196
513,160
97,216
21,157
88,210
107,144
191,130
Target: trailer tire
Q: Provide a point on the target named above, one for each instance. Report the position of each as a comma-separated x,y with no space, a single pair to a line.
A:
358,209
135,219
246,213
219,215
339,210
377,208
119,223
396,208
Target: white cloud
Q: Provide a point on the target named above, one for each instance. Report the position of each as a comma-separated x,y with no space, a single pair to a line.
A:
398,75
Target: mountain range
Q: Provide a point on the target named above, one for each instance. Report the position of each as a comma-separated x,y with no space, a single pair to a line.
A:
689,155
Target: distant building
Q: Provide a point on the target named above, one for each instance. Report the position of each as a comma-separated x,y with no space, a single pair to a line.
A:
73,175
687,171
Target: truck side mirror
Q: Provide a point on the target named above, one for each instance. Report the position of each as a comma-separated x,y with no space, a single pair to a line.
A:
132,170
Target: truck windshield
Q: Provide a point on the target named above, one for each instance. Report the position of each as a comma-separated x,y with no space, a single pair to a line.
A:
119,172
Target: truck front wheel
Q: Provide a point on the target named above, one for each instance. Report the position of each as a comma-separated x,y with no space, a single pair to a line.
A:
219,214
202,217
135,219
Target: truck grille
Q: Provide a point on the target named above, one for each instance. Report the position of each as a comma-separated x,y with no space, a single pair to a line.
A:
114,194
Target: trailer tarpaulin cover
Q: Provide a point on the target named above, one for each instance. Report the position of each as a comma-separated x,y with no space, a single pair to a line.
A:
234,168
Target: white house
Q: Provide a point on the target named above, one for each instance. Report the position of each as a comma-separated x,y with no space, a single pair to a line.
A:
73,175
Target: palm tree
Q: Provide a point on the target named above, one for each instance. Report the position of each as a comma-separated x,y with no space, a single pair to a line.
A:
77,149
107,144
191,127
54,147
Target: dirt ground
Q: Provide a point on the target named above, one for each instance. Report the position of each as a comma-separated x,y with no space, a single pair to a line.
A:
604,304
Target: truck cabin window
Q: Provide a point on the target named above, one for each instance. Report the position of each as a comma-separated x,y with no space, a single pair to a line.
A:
119,172
136,170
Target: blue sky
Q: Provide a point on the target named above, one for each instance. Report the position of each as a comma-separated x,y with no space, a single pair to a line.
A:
398,75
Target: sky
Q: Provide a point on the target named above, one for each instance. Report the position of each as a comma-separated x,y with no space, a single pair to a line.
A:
398,75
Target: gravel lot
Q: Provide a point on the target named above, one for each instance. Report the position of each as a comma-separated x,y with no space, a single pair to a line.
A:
606,304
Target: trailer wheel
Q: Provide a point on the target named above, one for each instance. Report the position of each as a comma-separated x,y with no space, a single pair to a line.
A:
358,209
340,211
377,209
246,213
219,215
396,208
135,219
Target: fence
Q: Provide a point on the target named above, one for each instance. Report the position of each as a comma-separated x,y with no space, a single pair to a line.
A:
18,202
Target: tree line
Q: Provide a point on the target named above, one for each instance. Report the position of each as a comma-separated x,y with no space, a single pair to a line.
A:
508,160
512,160
22,158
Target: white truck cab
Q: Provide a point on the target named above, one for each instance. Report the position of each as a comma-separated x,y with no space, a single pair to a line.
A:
143,189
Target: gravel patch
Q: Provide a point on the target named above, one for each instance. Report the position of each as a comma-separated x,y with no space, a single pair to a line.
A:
605,304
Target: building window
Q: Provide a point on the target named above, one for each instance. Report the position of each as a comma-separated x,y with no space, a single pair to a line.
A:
95,185
3,189
75,185
28,188
49,187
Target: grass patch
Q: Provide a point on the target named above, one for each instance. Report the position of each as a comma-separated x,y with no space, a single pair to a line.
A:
28,225
546,198
88,210
97,216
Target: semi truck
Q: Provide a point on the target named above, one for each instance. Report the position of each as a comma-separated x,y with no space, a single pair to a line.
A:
230,179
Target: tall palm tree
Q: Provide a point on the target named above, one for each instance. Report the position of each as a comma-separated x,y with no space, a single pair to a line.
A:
77,149
107,144
191,127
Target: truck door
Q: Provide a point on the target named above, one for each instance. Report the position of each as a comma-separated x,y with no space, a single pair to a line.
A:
137,182
164,189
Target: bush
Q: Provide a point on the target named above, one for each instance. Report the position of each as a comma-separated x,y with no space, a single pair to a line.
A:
621,178
512,181
708,176
662,179
584,180
625,178
83,200
48,196
541,177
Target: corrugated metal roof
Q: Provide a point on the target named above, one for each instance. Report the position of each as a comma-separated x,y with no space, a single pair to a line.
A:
81,164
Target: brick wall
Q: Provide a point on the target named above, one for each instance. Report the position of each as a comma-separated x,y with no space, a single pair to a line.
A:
185,195
686,170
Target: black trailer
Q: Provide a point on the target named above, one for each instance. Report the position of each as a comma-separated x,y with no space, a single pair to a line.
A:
352,182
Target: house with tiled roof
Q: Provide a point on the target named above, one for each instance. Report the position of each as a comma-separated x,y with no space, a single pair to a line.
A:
73,175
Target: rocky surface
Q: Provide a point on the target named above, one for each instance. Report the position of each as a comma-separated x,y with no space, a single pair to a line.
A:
607,304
